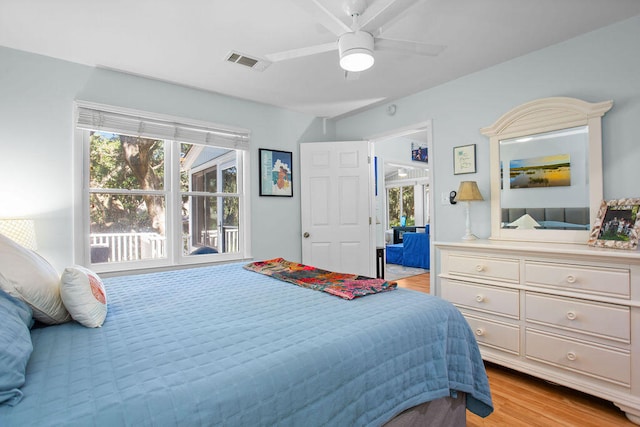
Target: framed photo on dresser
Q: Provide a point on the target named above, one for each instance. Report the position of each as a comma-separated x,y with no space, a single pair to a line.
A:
617,225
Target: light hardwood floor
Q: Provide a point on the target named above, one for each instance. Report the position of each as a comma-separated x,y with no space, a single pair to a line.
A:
520,400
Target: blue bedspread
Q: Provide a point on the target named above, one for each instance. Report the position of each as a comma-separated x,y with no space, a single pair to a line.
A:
225,346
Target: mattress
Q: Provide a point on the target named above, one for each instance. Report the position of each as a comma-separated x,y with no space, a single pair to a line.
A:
225,346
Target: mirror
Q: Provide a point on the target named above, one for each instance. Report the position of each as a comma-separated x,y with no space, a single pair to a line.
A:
546,170
544,181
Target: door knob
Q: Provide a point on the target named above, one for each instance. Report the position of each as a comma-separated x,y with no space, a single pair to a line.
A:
305,235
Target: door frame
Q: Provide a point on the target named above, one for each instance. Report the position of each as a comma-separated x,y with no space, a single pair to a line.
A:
426,126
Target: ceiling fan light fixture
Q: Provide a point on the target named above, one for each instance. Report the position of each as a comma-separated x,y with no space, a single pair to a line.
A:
356,60
356,51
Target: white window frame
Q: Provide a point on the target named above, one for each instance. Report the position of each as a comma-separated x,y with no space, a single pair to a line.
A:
397,185
223,162
198,132
421,194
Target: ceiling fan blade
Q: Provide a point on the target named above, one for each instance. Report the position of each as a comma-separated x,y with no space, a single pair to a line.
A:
416,48
324,17
378,16
303,51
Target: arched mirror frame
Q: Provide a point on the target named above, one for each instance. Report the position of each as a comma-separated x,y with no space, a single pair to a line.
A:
535,117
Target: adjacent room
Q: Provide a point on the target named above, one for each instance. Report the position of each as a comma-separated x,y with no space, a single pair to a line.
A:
319,212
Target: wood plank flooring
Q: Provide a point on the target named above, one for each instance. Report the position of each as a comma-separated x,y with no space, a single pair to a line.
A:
520,400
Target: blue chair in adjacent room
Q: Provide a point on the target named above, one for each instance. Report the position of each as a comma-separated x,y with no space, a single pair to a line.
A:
412,252
415,251
394,253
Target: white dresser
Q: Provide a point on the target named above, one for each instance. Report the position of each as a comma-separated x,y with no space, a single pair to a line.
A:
566,313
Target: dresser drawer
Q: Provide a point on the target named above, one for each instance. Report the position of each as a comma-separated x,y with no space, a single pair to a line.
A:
604,320
495,334
605,363
504,269
504,302
579,278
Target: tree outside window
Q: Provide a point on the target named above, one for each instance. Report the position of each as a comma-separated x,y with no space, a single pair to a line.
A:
126,181
400,203
129,194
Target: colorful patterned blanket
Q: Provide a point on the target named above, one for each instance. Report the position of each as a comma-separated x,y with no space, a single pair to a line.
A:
347,286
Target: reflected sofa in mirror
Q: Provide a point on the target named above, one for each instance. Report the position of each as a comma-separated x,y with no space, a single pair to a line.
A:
546,170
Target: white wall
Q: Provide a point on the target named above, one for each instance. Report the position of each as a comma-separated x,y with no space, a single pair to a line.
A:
36,128
598,66
397,150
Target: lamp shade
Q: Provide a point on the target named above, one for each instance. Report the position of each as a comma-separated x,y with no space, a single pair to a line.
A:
468,192
21,231
356,51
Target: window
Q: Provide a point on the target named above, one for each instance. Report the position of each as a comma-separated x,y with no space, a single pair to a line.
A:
158,191
400,206
210,200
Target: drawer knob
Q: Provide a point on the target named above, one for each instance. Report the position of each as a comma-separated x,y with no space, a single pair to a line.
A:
479,267
479,298
571,356
571,315
479,332
571,278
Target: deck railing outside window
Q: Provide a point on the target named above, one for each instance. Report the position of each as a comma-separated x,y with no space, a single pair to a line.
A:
130,246
133,246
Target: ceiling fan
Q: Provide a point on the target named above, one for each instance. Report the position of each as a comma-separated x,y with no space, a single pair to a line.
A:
357,42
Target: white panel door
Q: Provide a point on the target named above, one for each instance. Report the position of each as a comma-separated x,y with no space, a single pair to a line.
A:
337,201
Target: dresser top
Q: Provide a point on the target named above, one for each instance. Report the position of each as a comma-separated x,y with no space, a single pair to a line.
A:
540,248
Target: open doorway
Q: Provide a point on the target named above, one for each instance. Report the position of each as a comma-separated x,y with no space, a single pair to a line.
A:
407,196
402,200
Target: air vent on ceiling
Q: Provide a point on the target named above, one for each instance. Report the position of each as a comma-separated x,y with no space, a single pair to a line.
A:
247,61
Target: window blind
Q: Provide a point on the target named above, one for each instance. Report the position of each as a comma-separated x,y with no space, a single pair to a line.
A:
145,125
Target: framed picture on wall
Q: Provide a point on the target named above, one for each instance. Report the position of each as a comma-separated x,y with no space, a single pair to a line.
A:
419,152
617,225
275,173
464,159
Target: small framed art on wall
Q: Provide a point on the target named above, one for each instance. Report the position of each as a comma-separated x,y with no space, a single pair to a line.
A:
276,174
464,159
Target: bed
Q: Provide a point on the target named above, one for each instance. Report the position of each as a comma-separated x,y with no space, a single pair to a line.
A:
226,346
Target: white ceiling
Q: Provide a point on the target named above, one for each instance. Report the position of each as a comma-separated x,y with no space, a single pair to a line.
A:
187,42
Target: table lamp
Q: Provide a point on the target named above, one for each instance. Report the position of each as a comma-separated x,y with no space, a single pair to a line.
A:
468,192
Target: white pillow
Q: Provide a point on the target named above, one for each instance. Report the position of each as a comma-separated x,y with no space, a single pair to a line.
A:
525,222
84,296
27,276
